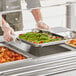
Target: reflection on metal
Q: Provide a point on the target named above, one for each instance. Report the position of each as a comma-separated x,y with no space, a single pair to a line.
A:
71,18
41,62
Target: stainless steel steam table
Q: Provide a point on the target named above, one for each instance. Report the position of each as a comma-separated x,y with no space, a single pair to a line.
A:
43,61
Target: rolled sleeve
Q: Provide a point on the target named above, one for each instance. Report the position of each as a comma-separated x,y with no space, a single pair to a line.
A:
33,3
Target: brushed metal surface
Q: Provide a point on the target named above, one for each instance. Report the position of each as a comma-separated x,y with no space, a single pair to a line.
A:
58,58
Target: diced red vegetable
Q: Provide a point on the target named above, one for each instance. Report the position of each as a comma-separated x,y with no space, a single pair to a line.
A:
56,37
16,55
20,34
23,58
35,42
41,41
7,55
51,38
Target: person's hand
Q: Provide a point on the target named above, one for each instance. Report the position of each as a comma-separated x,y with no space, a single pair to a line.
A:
8,32
42,25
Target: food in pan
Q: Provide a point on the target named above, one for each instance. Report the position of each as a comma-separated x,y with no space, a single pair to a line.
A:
72,42
39,38
7,55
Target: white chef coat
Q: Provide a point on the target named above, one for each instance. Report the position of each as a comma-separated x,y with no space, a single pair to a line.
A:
15,19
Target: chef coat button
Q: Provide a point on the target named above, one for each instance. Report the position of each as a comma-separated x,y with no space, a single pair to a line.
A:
16,19
7,7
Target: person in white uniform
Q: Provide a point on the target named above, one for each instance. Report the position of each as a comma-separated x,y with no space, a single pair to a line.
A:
16,18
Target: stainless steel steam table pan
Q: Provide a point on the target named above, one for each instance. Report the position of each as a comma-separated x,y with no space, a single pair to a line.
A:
14,49
44,44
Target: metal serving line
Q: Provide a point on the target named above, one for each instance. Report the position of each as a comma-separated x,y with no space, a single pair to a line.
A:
42,61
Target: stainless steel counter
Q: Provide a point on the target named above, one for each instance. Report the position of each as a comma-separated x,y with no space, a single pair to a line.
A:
44,61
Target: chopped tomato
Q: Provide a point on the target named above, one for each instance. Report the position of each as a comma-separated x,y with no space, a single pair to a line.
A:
35,42
3,60
7,55
56,37
10,53
18,58
23,58
6,49
51,38
11,56
16,55
41,41
14,58
20,34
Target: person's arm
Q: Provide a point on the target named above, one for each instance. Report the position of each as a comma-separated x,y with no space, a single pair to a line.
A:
8,31
37,14
3,21
38,17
